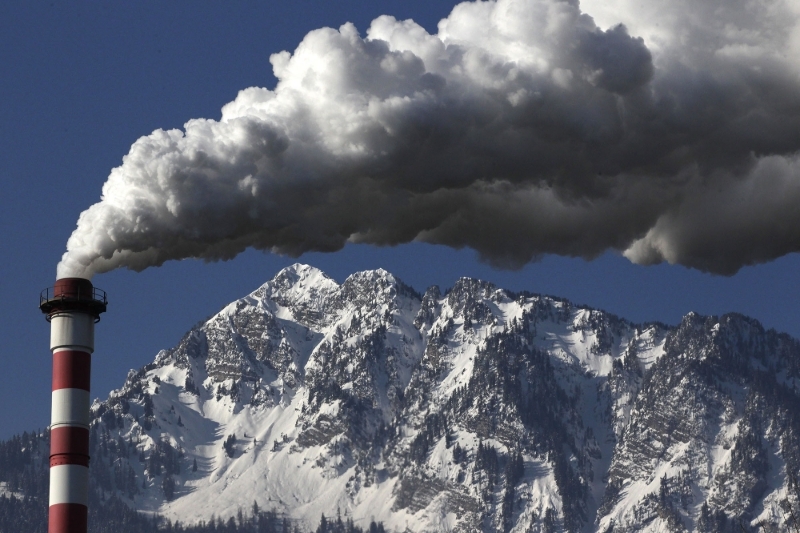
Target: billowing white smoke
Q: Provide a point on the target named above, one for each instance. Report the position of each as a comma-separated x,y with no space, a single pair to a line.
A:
520,129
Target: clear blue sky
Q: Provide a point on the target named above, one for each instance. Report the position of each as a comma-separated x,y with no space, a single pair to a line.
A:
81,81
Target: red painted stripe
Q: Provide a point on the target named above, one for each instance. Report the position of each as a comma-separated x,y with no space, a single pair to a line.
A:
69,440
69,459
72,370
77,288
68,518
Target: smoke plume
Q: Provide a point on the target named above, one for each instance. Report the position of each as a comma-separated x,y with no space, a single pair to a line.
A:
668,130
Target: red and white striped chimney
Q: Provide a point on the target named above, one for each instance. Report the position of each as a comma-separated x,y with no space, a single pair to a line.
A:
72,307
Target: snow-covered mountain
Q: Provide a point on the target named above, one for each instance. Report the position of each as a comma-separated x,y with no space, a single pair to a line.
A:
477,409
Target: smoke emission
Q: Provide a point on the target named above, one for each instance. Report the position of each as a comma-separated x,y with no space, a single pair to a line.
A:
667,130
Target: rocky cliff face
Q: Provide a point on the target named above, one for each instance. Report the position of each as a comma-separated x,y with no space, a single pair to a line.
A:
474,410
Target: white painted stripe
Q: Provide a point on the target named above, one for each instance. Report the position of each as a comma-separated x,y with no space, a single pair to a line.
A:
71,349
72,329
70,407
69,484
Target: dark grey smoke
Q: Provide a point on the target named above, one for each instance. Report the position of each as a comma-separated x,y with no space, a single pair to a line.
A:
520,129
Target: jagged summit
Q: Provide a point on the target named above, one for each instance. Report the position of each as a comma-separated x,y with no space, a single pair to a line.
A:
477,409
301,275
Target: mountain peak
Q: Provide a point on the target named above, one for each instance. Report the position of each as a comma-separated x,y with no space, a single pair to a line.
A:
298,285
374,275
300,273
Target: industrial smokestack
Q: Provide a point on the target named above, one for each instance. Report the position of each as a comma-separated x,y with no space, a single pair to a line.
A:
72,307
